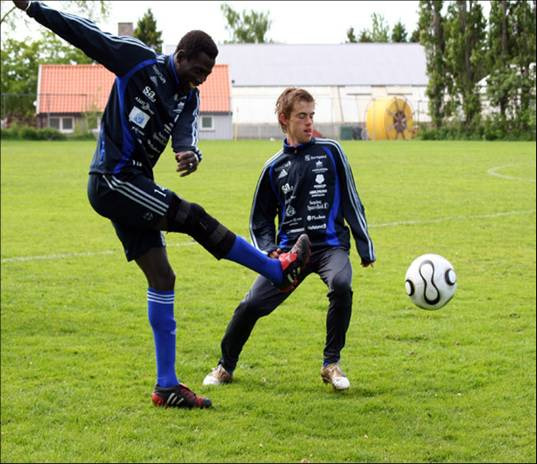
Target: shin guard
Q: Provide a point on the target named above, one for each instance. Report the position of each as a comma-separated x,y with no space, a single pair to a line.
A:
192,219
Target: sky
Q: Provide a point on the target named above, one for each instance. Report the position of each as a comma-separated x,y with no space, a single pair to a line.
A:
298,22
293,22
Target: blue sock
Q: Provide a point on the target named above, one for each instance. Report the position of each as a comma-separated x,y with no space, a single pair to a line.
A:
243,253
160,313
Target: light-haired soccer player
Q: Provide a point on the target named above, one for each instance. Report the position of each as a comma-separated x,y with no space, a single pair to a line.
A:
308,185
155,97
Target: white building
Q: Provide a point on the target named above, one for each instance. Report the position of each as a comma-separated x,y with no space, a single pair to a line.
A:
343,78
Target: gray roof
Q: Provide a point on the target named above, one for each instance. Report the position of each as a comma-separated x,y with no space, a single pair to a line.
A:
320,65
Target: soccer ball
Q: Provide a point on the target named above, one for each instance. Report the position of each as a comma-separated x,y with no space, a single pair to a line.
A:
430,281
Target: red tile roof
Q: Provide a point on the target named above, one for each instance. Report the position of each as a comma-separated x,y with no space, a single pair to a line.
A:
66,88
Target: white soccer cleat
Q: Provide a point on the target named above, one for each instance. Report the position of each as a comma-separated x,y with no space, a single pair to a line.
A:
333,374
217,376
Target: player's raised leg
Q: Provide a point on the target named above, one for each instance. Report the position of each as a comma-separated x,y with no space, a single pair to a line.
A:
191,218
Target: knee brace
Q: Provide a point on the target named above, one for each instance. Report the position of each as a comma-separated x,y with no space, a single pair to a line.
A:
192,219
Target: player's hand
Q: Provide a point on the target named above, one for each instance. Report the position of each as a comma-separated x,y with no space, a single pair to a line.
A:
274,254
21,4
368,263
187,162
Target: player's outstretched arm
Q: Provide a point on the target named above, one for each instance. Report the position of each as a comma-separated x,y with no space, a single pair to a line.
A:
118,54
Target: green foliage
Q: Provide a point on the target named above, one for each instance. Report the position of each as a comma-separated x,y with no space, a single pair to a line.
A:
17,132
465,57
351,37
19,71
432,36
246,27
146,31
365,37
511,59
399,34
21,59
379,31
455,385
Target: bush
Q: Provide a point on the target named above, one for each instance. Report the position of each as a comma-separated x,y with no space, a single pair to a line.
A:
32,133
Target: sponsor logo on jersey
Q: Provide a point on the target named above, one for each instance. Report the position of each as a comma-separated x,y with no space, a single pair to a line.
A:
138,117
318,193
283,173
158,73
317,227
316,217
290,211
143,104
296,231
286,188
317,205
319,178
314,157
149,93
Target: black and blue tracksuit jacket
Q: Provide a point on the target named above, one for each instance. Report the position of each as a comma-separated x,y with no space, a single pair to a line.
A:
145,107
310,189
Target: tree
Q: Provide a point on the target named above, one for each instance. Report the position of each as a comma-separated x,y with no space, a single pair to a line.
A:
21,59
146,31
432,37
465,47
365,36
415,36
379,29
399,33
511,52
351,38
20,63
246,27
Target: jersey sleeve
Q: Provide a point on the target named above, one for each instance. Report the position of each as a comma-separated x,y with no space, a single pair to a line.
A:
185,131
263,214
353,209
117,54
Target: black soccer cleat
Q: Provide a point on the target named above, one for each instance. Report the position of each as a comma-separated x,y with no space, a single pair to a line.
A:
179,396
293,263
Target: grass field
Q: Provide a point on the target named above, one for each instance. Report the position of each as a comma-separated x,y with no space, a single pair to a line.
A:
455,385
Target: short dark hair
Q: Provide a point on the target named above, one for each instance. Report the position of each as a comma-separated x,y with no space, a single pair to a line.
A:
195,42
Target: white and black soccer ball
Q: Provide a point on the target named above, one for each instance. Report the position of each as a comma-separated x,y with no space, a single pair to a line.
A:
430,281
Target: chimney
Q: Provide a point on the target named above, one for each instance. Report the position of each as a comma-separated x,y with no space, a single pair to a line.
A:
125,29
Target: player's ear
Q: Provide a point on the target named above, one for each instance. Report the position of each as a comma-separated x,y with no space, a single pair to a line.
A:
282,119
180,56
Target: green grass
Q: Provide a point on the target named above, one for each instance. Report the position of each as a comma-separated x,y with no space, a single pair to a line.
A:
456,385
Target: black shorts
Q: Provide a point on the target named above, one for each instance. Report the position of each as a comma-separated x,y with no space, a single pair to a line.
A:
134,204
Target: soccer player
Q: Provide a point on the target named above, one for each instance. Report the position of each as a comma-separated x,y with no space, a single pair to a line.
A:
308,185
155,97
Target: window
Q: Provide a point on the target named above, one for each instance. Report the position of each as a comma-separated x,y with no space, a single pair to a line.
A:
54,123
207,123
67,124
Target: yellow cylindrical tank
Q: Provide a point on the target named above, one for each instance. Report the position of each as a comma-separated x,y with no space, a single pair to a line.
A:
389,118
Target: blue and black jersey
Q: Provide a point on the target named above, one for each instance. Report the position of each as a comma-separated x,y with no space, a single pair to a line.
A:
145,107
310,189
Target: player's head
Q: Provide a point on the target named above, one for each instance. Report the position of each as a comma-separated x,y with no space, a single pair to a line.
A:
194,57
295,109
